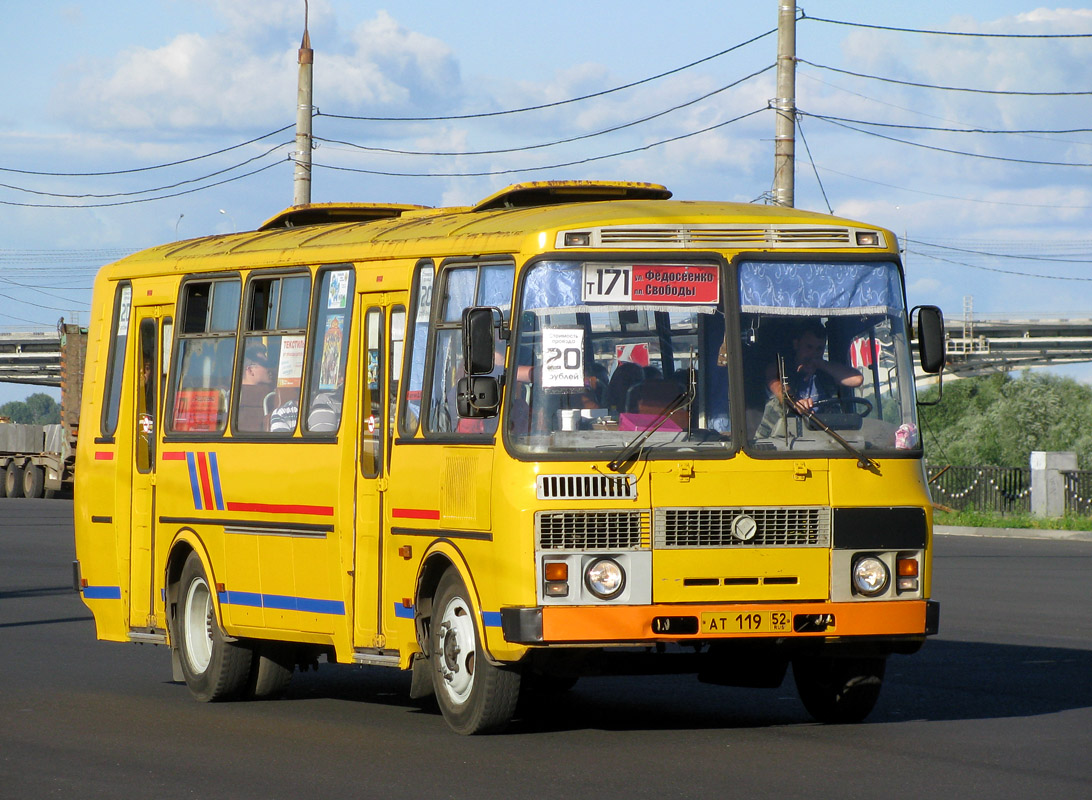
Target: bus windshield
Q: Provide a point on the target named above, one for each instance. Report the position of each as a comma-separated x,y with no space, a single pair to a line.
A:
609,353
826,358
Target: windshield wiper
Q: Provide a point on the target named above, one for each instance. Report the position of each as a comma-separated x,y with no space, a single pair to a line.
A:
788,401
624,457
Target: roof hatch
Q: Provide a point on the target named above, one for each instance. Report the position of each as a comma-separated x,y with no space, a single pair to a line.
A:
328,213
547,193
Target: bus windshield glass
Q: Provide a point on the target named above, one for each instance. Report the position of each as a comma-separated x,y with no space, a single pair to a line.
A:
607,352
826,358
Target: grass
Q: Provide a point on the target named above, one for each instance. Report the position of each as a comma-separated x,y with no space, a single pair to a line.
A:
991,519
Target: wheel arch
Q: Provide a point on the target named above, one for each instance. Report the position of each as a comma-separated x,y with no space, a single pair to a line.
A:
441,556
187,541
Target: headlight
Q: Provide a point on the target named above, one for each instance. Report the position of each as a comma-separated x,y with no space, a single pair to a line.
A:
605,578
870,576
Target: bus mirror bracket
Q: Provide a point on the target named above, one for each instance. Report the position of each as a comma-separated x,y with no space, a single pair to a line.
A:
479,341
931,345
930,330
477,396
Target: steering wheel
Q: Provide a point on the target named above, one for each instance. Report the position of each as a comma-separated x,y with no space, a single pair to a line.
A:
843,405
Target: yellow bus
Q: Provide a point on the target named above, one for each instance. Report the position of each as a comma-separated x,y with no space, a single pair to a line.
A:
576,428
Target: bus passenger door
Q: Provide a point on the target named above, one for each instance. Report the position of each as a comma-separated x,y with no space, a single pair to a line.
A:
153,329
379,364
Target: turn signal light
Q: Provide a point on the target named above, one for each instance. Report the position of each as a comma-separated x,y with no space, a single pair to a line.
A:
907,568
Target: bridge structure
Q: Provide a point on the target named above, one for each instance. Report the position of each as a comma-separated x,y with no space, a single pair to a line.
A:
1001,342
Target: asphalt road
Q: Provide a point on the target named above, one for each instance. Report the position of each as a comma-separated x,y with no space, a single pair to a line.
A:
999,705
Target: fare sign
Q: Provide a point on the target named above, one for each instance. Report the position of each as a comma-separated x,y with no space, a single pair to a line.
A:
651,283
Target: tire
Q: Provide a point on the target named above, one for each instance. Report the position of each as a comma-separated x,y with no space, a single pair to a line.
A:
839,690
214,667
474,695
13,480
33,481
271,670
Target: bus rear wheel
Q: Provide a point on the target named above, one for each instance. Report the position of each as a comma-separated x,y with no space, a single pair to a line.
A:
215,668
33,481
13,480
474,695
839,690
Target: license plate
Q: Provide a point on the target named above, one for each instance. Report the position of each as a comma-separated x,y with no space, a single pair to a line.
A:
746,622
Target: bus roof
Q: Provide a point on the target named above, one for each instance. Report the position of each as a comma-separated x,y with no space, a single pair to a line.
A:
614,214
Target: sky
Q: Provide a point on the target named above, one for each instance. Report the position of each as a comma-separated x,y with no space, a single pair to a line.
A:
136,122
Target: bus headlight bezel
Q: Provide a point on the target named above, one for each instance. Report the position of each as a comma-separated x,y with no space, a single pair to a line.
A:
605,578
870,575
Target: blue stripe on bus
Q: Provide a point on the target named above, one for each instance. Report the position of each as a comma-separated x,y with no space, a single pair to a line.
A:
281,602
490,619
102,592
195,487
215,470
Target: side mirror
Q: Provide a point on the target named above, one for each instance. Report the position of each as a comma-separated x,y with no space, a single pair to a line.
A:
930,332
479,342
477,396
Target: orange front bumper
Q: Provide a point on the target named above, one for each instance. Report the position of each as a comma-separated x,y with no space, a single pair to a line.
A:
607,624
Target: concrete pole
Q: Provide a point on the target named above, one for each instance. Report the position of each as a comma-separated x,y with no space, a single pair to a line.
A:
784,188
301,184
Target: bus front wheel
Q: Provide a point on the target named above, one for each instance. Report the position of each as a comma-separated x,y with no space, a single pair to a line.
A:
474,695
839,690
214,667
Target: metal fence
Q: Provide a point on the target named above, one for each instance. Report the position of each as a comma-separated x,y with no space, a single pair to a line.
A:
1006,490
1078,492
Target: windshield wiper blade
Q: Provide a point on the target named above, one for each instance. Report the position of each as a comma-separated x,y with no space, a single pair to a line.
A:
863,461
624,457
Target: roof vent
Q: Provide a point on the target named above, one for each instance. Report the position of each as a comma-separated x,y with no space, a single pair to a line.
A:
548,193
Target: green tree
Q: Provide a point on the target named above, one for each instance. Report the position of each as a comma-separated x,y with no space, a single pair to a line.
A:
38,409
998,420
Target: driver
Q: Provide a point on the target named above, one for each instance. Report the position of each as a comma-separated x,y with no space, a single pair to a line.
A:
810,378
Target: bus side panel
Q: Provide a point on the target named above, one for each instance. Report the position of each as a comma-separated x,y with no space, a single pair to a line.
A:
101,509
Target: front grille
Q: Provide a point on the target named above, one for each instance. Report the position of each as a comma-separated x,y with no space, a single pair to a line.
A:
724,236
592,530
586,487
718,527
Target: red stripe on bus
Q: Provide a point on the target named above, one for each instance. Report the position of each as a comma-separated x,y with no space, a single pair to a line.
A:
415,513
277,508
206,487
174,455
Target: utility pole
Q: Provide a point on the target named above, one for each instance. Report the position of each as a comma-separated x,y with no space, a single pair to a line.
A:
784,187
301,184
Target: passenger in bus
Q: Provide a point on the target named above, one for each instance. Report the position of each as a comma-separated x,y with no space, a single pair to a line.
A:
810,377
325,412
653,398
258,381
626,375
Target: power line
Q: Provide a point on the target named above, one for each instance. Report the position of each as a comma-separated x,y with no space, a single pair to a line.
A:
1054,259
543,106
804,16
939,129
940,87
1002,271
146,169
935,148
569,140
542,167
148,191
948,196
145,199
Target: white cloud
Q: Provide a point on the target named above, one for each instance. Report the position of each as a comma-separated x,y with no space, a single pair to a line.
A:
244,77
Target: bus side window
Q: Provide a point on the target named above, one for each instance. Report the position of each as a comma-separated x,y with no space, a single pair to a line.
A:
397,351
274,346
205,359
331,320
414,382
463,286
115,365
